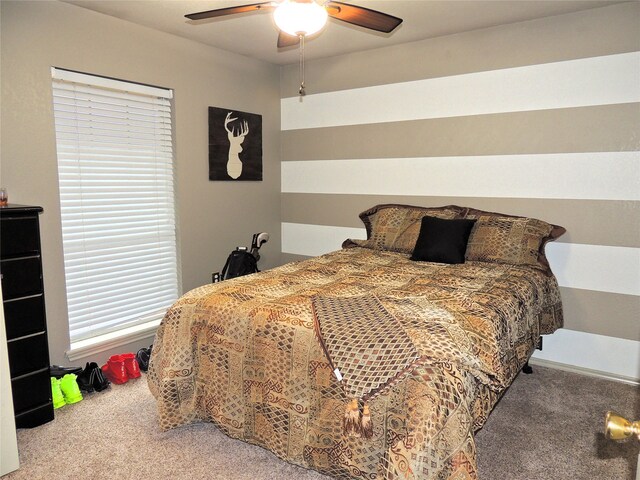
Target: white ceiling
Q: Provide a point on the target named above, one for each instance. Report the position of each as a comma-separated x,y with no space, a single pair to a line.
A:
255,34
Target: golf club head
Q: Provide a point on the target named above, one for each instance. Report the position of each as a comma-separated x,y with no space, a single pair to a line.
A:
262,239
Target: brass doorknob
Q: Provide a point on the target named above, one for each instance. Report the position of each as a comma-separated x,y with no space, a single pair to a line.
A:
619,428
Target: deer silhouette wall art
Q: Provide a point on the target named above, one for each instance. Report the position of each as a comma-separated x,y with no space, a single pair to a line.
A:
234,165
235,145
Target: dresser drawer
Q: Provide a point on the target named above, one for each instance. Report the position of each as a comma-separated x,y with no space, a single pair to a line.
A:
21,278
19,236
24,317
36,416
31,391
28,354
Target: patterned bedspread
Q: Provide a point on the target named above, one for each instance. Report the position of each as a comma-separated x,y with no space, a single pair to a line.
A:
243,354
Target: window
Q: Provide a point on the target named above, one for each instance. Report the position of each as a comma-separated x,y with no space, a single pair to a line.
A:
116,174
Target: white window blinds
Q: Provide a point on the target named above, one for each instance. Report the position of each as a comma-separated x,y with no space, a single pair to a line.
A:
115,167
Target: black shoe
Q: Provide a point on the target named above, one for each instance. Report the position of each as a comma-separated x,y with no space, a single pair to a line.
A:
100,382
143,356
59,371
91,378
84,379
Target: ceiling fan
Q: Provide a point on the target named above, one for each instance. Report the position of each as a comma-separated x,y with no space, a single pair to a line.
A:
298,19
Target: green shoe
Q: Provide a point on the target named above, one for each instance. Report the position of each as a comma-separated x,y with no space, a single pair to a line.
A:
70,389
56,393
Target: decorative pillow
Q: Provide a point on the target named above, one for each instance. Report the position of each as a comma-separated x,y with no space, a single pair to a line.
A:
442,241
396,227
508,239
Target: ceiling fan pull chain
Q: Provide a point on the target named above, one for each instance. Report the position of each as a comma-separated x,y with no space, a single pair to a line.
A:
301,91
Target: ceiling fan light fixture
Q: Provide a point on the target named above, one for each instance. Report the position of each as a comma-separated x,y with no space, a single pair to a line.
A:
300,18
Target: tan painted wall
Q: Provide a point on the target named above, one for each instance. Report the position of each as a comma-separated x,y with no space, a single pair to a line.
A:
213,217
606,226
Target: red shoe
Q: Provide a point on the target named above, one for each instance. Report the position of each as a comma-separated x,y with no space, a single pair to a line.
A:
131,365
115,370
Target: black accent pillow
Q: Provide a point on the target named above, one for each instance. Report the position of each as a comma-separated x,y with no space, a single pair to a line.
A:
442,241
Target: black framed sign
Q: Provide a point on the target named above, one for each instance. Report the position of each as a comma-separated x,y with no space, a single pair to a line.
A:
235,145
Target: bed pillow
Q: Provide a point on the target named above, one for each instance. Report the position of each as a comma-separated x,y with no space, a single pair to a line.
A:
442,241
395,228
500,238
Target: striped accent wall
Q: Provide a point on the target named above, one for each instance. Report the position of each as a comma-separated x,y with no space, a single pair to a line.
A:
552,133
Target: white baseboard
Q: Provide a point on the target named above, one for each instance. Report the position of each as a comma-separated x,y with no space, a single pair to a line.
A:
583,371
591,354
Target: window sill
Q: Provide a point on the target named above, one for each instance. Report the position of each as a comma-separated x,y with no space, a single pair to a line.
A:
112,340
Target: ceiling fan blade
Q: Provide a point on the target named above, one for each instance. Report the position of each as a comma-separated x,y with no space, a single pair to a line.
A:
363,17
286,40
221,12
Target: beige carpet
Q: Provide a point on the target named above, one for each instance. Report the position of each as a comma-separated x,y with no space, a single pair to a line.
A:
547,426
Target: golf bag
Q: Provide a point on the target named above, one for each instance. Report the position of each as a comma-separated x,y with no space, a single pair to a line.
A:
242,262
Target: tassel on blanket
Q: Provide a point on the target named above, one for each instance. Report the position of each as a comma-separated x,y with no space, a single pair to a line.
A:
367,426
352,424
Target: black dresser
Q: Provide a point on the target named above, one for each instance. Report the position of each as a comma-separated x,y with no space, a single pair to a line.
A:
24,312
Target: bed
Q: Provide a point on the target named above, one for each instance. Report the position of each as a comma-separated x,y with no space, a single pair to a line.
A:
247,355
